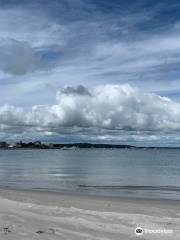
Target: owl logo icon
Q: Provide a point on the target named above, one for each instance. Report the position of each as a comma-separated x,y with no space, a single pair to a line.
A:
139,231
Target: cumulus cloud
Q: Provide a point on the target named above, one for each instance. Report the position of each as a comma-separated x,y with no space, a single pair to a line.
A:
18,57
79,90
106,107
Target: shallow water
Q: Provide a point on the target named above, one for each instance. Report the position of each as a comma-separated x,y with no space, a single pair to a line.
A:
152,173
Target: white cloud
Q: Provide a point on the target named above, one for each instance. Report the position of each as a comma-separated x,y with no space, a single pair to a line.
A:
138,55
106,107
31,26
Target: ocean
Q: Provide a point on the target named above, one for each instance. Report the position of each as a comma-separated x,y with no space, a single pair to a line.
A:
145,173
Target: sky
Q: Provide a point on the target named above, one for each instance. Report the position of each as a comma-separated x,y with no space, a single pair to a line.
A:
90,71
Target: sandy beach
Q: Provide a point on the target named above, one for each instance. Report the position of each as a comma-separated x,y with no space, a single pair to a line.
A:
33,215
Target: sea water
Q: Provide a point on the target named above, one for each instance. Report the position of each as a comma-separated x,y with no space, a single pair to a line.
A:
147,173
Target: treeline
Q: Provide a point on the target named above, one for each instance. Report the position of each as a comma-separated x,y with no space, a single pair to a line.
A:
39,145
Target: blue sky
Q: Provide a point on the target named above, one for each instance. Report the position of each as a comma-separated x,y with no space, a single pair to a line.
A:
55,56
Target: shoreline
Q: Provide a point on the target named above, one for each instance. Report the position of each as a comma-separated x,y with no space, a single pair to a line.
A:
73,216
92,196
125,196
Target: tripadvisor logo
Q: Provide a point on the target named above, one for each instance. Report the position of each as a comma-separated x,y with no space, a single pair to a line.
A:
139,231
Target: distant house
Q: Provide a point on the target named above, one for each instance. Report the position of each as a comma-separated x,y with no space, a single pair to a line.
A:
37,143
12,145
15,145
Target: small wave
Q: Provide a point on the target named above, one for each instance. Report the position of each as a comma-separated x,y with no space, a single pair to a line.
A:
129,187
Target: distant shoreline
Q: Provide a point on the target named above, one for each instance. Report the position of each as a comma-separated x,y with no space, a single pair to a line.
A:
69,146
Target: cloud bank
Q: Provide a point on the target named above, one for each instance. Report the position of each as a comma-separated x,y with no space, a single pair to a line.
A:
105,107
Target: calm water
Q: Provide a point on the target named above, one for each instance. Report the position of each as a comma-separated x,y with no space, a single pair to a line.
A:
119,172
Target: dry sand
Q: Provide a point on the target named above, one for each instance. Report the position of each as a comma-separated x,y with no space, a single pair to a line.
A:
36,215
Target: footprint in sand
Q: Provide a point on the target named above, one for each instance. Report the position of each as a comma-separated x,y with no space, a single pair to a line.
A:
49,231
40,231
6,230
